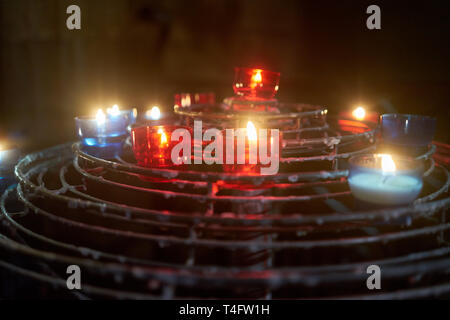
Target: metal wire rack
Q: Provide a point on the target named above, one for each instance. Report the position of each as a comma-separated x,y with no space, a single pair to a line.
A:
198,232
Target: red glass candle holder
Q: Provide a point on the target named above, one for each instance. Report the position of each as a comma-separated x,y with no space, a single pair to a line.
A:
152,145
255,83
184,100
247,167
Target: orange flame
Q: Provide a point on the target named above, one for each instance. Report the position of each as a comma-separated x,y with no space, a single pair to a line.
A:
163,136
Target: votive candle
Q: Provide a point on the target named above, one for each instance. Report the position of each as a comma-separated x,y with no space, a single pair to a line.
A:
152,145
256,83
385,180
102,136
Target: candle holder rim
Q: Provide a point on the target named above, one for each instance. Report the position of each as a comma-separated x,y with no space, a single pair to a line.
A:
163,121
84,118
247,69
416,167
141,126
224,114
195,92
123,114
408,116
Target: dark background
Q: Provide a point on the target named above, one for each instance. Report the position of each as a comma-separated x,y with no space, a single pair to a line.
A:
140,52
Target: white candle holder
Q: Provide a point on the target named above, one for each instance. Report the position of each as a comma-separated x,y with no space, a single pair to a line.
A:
383,180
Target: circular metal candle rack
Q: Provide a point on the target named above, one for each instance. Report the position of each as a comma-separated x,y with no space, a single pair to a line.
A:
198,232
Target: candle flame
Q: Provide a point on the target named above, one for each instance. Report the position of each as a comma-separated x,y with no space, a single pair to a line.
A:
186,100
257,76
387,163
154,113
256,79
100,117
163,136
359,113
251,131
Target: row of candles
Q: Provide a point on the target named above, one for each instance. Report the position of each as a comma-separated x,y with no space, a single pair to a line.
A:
381,178
104,135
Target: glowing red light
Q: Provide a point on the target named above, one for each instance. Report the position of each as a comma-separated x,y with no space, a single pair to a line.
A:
256,83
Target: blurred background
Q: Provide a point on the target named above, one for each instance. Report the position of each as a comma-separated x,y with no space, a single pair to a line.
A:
140,52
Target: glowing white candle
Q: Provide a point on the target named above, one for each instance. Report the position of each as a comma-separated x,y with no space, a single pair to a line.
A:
384,185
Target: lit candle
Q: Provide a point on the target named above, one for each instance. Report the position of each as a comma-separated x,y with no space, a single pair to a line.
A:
152,145
256,79
153,114
249,162
360,113
186,100
102,135
251,145
383,180
256,83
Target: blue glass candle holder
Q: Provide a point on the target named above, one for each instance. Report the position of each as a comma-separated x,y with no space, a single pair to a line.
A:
130,114
103,138
407,133
383,180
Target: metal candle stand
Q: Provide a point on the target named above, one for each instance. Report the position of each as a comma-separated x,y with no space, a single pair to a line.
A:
196,233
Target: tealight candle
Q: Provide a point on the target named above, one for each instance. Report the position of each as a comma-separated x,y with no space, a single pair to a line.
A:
256,83
251,141
103,136
152,145
185,100
360,114
383,180
250,162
